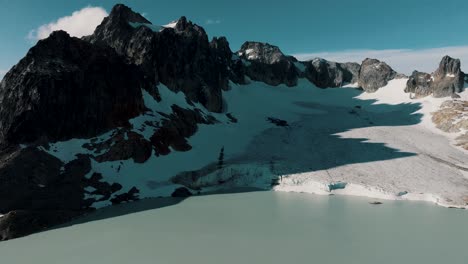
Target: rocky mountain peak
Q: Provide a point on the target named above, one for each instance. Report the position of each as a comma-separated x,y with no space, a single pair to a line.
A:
64,81
188,28
447,80
116,26
182,23
448,67
261,52
121,12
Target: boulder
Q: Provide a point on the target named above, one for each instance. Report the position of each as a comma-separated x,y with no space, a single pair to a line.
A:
374,74
419,84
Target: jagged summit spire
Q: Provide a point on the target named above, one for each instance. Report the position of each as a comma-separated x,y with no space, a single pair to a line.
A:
123,12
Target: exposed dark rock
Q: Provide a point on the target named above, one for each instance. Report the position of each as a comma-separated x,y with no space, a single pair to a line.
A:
175,130
179,57
102,188
446,81
131,195
266,63
350,72
35,193
28,173
228,64
63,83
374,74
419,83
123,145
278,122
448,78
232,118
326,74
181,192
20,223
78,167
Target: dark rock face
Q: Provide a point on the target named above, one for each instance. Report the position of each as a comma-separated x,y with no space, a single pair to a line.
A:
350,71
175,130
131,195
266,63
419,83
181,192
326,74
27,173
38,191
446,81
35,193
65,82
448,78
20,223
374,74
102,188
123,145
179,57
228,64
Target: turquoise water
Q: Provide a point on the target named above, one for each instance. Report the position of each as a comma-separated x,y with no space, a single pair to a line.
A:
254,227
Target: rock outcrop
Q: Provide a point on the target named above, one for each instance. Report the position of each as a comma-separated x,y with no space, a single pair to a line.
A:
122,145
326,74
175,130
446,81
35,193
179,56
374,74
63,83
266,63
419,83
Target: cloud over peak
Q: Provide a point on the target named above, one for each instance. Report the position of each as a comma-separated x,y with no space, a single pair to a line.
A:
79,23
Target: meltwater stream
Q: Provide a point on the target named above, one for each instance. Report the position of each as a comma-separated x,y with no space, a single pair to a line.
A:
254,227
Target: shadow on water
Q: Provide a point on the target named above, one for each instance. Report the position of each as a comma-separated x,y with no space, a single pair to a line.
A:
310,144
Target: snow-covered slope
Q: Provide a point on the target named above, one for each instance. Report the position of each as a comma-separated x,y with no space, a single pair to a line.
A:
381,145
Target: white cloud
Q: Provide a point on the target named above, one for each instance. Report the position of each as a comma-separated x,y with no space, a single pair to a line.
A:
212,21
79,23
402,60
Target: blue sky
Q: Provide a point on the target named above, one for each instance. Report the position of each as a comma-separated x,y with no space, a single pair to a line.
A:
297,26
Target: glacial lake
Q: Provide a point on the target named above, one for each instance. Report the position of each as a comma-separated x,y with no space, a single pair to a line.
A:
253,227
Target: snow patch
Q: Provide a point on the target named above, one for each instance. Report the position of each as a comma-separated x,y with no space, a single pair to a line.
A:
154,28
173,24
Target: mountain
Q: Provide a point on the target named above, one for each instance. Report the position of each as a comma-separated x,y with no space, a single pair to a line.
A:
447,80
137,110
